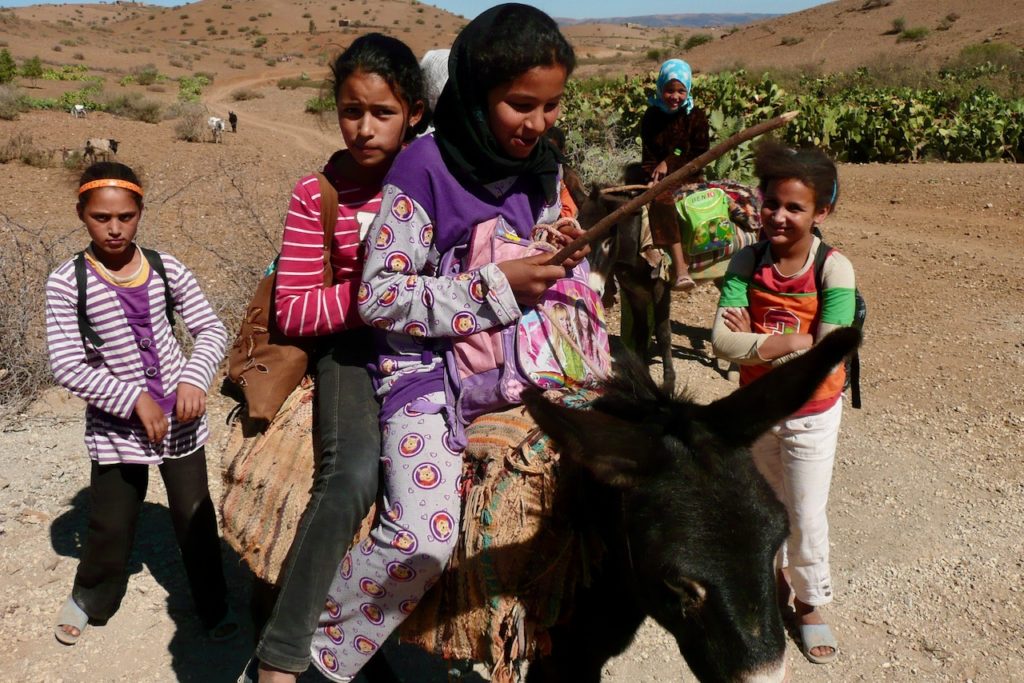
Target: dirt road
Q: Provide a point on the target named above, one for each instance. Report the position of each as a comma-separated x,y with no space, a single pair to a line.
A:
927,512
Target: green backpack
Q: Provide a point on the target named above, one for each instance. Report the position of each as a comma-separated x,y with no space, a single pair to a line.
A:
706,215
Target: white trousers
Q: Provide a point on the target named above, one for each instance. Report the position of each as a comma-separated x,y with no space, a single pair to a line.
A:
796,457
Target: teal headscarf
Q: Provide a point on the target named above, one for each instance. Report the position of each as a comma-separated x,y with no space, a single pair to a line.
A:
674,70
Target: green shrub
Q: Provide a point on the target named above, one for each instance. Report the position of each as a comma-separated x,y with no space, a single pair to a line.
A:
696,40
321,103
791,40
899,24
146,74
995,53
32,68
913,35
191,87
259,42
8,69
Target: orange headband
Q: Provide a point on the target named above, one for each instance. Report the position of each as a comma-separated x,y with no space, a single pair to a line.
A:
110,182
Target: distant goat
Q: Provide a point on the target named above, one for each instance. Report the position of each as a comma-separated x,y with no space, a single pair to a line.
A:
233,120
99,147
78,111
216,125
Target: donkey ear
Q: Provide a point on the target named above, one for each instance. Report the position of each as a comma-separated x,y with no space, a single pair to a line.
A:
745,414
617,452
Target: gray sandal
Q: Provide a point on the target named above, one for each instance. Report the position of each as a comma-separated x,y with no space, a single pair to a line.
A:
818,635
70,614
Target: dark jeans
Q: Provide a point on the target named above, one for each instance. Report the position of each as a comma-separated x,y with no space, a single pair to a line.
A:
116,493
344,488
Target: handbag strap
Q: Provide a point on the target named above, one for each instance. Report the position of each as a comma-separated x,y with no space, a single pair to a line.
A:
328,219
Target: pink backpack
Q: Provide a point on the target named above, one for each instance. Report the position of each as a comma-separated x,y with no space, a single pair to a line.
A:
562,341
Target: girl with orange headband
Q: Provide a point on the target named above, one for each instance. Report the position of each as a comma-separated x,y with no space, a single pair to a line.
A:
109,317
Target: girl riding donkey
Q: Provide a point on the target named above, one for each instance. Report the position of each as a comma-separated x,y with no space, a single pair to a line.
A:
673,132
781,297
109,317
379,94
487,164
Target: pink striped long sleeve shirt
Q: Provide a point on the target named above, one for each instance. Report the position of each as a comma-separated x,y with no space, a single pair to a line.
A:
304,306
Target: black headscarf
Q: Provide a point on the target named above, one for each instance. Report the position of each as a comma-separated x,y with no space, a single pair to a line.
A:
460,121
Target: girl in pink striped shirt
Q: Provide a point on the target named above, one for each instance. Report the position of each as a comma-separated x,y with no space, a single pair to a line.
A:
378,89
109,316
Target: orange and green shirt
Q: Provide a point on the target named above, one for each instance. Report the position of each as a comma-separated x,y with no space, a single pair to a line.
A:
781,304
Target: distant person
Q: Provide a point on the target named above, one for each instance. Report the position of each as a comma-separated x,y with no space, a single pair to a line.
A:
673,132
110,342
434,66
233,120
777,302
378,90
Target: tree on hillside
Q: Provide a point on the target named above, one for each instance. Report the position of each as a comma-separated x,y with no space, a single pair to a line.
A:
8,69
32,69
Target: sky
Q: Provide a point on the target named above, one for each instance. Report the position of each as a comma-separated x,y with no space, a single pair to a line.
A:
575,9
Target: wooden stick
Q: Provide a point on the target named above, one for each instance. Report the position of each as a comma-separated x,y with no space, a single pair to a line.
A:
669,182
623,188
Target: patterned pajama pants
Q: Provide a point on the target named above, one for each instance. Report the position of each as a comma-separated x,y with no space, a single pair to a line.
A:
380,582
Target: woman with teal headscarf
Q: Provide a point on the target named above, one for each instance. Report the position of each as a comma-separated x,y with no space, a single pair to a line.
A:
673,132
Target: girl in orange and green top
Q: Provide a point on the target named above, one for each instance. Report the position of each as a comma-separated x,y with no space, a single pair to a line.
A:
774,306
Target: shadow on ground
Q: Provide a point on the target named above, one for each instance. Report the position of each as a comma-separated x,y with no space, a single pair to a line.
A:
193,657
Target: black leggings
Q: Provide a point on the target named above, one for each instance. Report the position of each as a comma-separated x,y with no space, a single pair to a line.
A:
116,493
344,487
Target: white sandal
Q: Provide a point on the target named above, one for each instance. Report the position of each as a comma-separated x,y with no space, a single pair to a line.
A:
70,614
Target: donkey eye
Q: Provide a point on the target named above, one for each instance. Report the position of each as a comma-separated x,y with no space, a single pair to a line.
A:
691,593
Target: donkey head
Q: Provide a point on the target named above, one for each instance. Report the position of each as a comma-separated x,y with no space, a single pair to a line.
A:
701,525
623,244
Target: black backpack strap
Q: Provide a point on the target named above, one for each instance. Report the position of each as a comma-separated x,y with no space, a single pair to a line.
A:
157,264
760,253
819,265
81,283
853,364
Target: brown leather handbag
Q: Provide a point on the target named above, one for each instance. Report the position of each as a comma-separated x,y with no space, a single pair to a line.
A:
264,365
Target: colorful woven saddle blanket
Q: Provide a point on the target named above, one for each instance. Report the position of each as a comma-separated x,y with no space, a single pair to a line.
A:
515,565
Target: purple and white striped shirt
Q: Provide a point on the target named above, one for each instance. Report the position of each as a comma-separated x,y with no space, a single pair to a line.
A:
110,378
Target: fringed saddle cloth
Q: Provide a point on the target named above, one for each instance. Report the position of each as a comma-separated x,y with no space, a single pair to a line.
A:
517,557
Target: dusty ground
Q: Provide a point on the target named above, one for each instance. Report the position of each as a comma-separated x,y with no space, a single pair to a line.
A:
928,498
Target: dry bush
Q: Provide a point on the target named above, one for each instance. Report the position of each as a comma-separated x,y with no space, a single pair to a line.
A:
243,94
133,106
21,147
12,102
192,127
27,256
